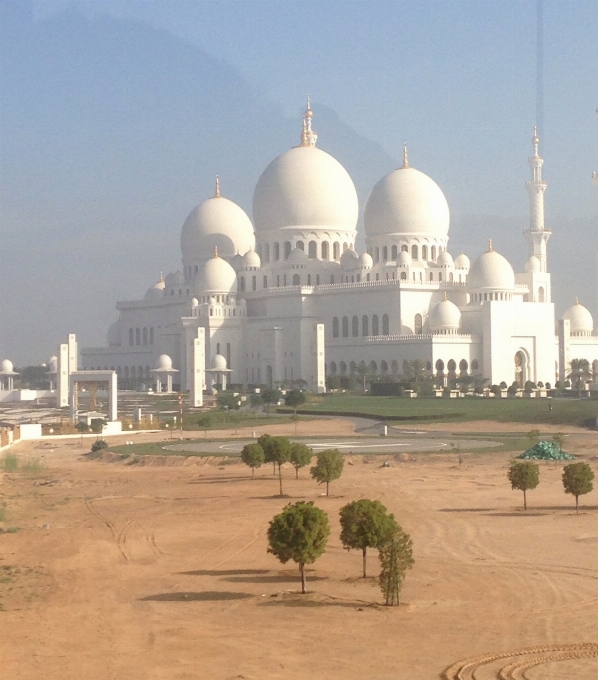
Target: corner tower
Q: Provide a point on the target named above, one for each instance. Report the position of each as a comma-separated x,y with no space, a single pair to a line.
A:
537,235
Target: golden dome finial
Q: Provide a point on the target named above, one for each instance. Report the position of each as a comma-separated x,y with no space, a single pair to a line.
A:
216,251
490,245
576,300
161,277
445,295
405,156
308,112
535,140
217,192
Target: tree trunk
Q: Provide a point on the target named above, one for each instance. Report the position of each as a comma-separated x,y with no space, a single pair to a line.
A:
327,487
577,504
302,570
280,477
252,473
524,500
274,467
364,558
296,473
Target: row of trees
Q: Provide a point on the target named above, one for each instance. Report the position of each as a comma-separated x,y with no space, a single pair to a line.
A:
279,450
577,479
300,533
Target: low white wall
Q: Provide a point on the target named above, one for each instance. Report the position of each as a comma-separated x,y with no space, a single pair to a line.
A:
31,431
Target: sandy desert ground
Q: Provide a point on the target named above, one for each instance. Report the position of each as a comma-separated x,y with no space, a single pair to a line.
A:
153,572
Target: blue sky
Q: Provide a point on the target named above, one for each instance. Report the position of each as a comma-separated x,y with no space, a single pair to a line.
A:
117,114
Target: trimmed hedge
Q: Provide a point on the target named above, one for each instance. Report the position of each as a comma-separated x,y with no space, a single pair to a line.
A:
373,416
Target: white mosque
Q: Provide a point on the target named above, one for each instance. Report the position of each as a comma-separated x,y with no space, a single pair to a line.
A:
287,297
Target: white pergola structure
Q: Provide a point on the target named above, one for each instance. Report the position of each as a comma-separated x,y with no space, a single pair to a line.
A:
198,368
219,371
163,373
7,375
109,377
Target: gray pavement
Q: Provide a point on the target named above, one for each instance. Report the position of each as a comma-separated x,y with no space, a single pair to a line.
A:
348,445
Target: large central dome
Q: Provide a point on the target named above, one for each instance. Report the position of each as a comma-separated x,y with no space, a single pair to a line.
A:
305,188
406,202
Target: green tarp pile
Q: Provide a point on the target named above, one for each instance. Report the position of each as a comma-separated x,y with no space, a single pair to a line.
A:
546,451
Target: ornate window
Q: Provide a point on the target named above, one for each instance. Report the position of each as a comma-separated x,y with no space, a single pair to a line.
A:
354,326
335,327
345,326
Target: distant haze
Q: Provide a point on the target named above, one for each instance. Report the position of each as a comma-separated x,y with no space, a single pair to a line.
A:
113,126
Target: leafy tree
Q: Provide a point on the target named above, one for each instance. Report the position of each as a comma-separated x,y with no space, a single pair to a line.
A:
253,456
205,420
524,476
363,371
496,391
299,533
503,385
328,467
365,524
396,557
512,390
333,382
270,396
301,456
533,436
99,445
579,373
277,450
529,387
265,441
97,424
577,480
82,427
414,370
294,399
227,400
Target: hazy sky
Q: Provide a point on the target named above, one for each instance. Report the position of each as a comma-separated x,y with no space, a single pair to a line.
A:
115,117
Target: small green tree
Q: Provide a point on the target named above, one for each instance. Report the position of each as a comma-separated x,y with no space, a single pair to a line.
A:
328,467
524,475
365,524
580,372
301,456
294,399
299,533
226,400
270,396
533,436
266,442
559,439
277,450
578,480
396,557
253,456
205,420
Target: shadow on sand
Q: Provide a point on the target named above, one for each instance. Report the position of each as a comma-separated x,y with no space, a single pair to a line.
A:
224,572
205,596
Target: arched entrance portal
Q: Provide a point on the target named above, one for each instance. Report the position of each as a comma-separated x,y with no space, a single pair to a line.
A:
520,368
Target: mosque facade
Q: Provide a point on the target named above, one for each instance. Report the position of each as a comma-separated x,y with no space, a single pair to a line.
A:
288,297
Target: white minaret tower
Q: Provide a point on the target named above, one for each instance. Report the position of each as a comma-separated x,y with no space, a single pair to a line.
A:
537,235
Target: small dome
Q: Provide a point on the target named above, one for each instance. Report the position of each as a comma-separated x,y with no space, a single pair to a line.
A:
406,201
219,363
404,259
215,276
305,188
175,279
366,260
164,362
194,302
216,223
297,255
462,261
532,265
349,258
113,335
251,259
156,292
580,319
445,316
491,271
6,366
445,259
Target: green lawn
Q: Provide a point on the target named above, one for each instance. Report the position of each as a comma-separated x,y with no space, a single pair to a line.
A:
534,411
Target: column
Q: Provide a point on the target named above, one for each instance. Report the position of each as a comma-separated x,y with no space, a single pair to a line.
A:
564,333
198,368
73,353
112,397
62,377
320,359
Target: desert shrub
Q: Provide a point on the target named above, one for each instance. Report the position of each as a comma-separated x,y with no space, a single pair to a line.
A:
99,445
9,462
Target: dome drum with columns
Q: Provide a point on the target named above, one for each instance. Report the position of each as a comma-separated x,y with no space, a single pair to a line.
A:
260,291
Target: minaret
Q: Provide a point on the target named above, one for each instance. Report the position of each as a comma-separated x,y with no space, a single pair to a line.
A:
537,236
308,136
